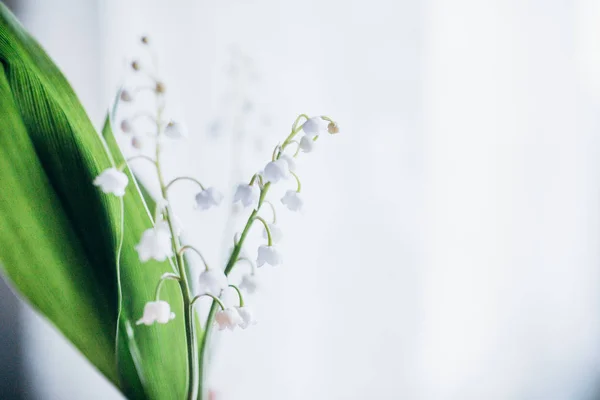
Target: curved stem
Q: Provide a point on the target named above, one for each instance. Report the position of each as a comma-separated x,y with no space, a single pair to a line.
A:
272,209
182,178
215,298
266,225
298,181
239,293
165,277
195,250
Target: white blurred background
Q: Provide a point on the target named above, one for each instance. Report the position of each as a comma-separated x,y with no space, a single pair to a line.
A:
450,244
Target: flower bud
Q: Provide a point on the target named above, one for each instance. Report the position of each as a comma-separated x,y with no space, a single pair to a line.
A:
333,128
160,87
126,126
126,96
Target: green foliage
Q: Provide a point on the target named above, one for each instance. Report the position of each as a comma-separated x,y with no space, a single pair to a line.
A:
60,236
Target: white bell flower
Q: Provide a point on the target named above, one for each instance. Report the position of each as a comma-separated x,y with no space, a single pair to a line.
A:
208,198
212,281
290,162
113,181
155,243
176,130
156,311
246,317
228,318
246,194
276,170
268,255
314,126
276,233
307,144
249,283
292,200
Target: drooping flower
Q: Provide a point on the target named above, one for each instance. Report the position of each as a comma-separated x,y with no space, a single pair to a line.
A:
246,194
208,198
292,200
276,170
156,311
268,255
314,126
290,162
155,243
249,283
276,233
212,281
307,144
246,317
176,130
113,181
228,319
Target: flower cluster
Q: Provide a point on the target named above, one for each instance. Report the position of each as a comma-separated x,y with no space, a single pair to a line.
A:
162,241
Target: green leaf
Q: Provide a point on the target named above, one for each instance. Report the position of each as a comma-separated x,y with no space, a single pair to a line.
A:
60,236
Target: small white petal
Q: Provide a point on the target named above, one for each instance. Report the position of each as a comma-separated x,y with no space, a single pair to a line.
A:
249,283
276,233
113,181
155,243
268,255
314,126
176,130
276,170
246,194
208,198
292,200
156,311
246,317
307,144
212,281
228,319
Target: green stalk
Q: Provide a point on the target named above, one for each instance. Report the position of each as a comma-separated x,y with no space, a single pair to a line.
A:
188,312
230,264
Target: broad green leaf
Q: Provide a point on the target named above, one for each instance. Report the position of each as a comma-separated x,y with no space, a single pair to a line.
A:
60,236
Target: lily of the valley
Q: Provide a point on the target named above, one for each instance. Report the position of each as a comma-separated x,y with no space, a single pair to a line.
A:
155,243
246,194
276,233
113,181
276,170
314,126
212,281
292,200
246,317
268,255
307,144
249,283
208,198
228,319
156,311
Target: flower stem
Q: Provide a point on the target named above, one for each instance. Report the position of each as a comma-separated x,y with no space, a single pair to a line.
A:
188,312
230,264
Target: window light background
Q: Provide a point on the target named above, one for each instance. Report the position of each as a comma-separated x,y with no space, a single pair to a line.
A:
449,248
